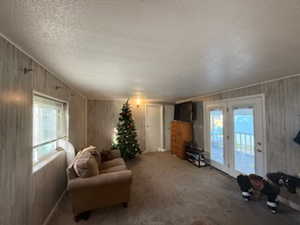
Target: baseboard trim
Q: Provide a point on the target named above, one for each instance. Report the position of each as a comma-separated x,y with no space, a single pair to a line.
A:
46,221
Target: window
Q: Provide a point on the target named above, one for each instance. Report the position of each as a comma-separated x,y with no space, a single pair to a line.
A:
49,126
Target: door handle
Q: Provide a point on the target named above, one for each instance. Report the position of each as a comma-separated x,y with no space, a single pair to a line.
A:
258,147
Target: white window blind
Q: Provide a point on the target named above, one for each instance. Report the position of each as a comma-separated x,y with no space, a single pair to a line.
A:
49,126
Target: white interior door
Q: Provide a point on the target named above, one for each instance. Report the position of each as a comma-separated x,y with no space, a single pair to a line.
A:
154,128
235,135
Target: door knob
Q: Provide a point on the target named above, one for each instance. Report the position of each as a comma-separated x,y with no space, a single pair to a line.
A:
258,150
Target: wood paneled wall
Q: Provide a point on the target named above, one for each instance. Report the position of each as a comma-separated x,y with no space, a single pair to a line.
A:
15,136
282,104
16,88
45,194
102,119
198,125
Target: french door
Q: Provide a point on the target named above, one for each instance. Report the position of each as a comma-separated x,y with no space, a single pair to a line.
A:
234,135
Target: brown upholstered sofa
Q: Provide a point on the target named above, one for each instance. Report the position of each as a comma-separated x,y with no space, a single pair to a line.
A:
94,182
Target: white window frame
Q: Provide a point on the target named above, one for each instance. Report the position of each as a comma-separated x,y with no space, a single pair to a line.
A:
66,137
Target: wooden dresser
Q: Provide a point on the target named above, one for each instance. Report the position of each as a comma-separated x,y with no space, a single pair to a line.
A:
181,133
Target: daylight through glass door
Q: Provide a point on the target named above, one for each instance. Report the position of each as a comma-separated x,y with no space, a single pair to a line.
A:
244,143
217,135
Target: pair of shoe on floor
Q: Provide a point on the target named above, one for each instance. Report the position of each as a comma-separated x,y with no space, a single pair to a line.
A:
273,206
252,183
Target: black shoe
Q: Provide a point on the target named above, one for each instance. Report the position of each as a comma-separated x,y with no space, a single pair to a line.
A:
246,196
273,207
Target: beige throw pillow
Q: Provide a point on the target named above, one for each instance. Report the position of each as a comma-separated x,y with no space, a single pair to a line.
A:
90,148
94,152
86,165
71,174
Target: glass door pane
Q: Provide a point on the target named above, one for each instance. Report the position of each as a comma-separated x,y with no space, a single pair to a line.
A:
244,154
217,135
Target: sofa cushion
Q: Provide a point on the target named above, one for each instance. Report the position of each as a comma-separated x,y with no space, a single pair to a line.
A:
86,165
113,169
112,163
110,154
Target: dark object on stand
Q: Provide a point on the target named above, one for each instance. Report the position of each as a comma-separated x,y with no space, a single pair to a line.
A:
185,112
297,138
288,181
196,156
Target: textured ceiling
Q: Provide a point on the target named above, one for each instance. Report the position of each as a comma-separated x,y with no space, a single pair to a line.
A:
162,49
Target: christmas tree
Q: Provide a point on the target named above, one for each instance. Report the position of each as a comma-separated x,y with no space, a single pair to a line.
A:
126,134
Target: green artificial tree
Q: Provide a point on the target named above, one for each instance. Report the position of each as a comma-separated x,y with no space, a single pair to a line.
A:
126,140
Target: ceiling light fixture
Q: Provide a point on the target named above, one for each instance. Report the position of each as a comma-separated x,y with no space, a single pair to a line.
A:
138,102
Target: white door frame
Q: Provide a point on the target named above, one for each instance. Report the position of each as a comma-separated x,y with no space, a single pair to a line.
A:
161,148
227,126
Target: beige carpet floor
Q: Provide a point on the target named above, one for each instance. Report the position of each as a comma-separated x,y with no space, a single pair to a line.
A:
169,191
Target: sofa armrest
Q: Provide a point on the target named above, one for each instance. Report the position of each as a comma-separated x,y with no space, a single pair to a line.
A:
99,191
101,180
